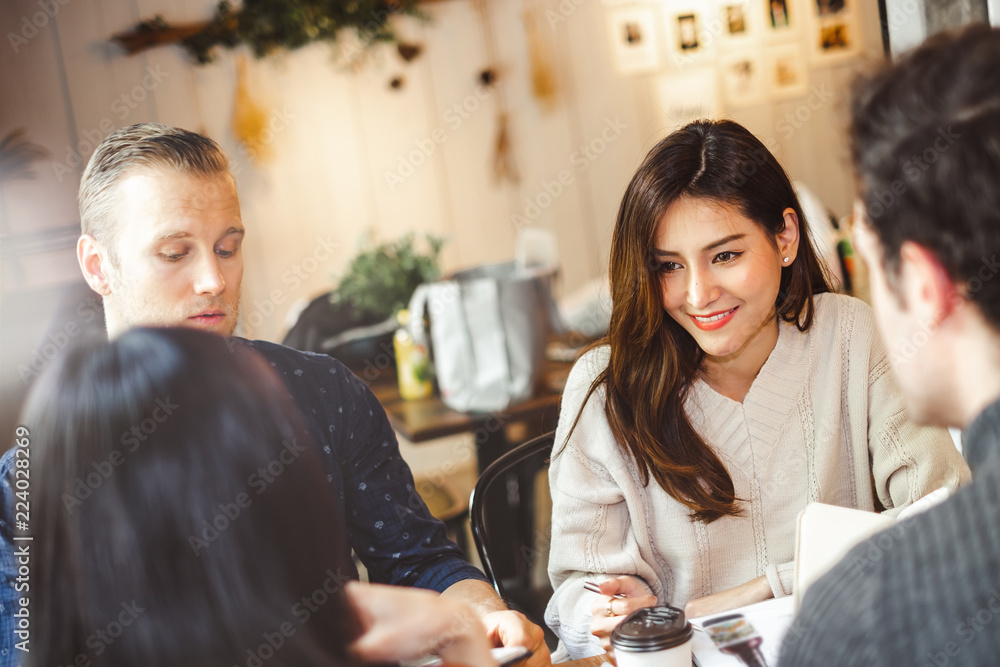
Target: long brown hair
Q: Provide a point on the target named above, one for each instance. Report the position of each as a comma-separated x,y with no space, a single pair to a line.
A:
653,359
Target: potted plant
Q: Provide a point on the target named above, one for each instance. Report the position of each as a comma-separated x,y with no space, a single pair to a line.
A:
355,321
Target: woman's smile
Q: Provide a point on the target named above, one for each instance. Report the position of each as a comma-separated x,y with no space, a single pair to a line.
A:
715,320
720,273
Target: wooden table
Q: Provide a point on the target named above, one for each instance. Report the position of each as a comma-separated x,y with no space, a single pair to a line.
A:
595,661
429,418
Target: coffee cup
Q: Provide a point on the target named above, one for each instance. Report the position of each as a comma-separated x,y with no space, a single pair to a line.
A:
653,637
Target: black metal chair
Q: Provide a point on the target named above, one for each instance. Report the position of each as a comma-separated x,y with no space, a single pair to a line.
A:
510,543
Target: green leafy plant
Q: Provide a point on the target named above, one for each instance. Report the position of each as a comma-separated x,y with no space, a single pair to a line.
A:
270,26
267,26
381,279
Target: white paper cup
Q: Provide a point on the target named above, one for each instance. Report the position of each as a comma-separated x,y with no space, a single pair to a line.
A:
653,637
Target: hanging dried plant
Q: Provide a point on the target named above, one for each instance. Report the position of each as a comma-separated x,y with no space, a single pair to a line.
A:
543,76
408,51
249,120
269,26
504,167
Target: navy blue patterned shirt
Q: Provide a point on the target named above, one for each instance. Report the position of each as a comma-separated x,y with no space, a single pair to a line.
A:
389,526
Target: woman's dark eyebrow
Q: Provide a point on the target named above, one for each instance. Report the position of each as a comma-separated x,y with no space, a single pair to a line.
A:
710,246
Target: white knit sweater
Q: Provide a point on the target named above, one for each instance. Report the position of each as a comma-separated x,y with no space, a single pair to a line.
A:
823,421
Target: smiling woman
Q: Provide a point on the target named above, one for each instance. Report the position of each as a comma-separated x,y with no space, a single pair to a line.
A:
732,379
721,283
709,205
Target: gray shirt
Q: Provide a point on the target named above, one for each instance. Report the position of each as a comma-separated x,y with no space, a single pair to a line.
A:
925,592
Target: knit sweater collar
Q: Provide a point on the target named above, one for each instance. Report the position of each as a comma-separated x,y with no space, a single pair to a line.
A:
765,409
981,439
779,381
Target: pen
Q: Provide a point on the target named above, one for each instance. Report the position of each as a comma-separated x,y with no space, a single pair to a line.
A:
594,588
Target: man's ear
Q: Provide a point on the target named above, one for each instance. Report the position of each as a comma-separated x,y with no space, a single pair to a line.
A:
926,286
788,238
94,263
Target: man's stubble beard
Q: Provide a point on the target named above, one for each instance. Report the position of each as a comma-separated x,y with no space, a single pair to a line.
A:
135,309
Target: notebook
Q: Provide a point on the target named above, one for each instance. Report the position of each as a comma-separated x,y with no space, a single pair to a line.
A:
824,536
826,533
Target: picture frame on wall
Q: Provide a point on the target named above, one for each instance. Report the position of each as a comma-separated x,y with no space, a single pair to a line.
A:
690,41
634,43
736,23
736,19
834,32
742,78
687,32
786,72
829,7
780,17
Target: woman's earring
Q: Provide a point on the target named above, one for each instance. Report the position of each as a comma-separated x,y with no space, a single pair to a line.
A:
784,261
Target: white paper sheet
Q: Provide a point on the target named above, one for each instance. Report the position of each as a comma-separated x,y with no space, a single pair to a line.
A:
771,619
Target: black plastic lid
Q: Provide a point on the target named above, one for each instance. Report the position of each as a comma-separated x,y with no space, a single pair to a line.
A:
652,629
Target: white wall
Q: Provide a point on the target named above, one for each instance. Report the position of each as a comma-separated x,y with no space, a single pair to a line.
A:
339,132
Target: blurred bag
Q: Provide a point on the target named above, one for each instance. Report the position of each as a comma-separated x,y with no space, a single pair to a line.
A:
488,330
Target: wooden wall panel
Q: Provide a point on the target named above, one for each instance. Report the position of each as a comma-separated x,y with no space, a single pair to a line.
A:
339,132
543,146
394,124
298,192
596,95
478,206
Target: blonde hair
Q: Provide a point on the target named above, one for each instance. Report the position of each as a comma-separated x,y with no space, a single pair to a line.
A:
147,145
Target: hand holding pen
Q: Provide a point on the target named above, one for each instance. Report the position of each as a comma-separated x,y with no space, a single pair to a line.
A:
615,599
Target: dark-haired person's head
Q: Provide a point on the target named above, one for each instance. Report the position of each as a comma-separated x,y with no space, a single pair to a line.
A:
176,499
710,248
926,147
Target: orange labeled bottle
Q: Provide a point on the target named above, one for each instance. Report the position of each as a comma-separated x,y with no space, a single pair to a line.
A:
413,364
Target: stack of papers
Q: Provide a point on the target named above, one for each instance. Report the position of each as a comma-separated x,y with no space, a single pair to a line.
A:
771,619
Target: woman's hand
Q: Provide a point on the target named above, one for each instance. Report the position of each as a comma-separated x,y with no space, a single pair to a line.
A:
406,623
608,611
755,590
